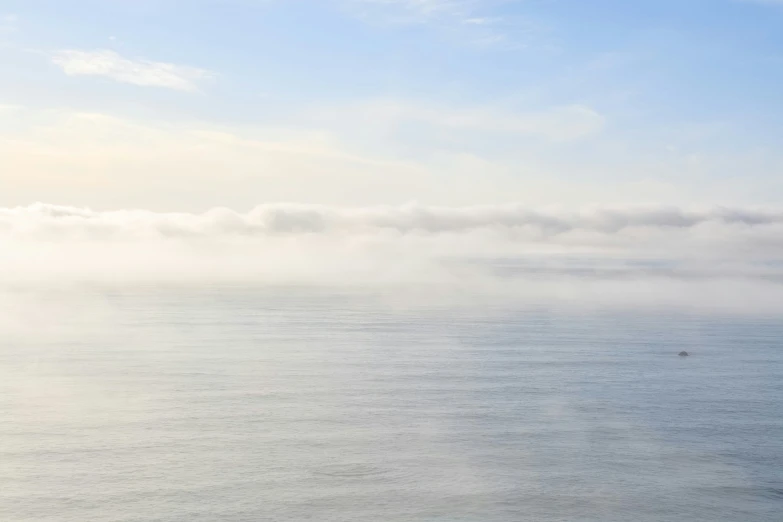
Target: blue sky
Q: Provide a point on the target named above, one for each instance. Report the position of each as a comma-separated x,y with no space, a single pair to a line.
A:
179,105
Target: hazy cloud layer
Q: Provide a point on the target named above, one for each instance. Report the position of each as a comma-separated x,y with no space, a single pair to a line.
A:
378,152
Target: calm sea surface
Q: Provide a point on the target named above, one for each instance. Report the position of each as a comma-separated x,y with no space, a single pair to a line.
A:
228,404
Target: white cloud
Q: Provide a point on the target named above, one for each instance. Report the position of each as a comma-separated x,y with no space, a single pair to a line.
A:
141,72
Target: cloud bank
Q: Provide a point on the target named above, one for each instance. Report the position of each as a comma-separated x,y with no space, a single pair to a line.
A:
666,256
53,222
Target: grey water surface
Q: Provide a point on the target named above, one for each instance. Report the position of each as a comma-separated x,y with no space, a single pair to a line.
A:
297,404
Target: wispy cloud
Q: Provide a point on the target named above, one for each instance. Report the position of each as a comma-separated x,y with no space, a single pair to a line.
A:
8,23
556,124
146,73
422,10
474,21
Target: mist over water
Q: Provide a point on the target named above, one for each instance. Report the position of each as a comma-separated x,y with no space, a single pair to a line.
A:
400,364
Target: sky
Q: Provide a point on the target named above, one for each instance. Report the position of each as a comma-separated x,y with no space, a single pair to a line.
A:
174,105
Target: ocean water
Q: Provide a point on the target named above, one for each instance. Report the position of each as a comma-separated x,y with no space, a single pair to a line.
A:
294,404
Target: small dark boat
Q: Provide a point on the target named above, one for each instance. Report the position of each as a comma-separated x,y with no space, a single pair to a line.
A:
684,354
